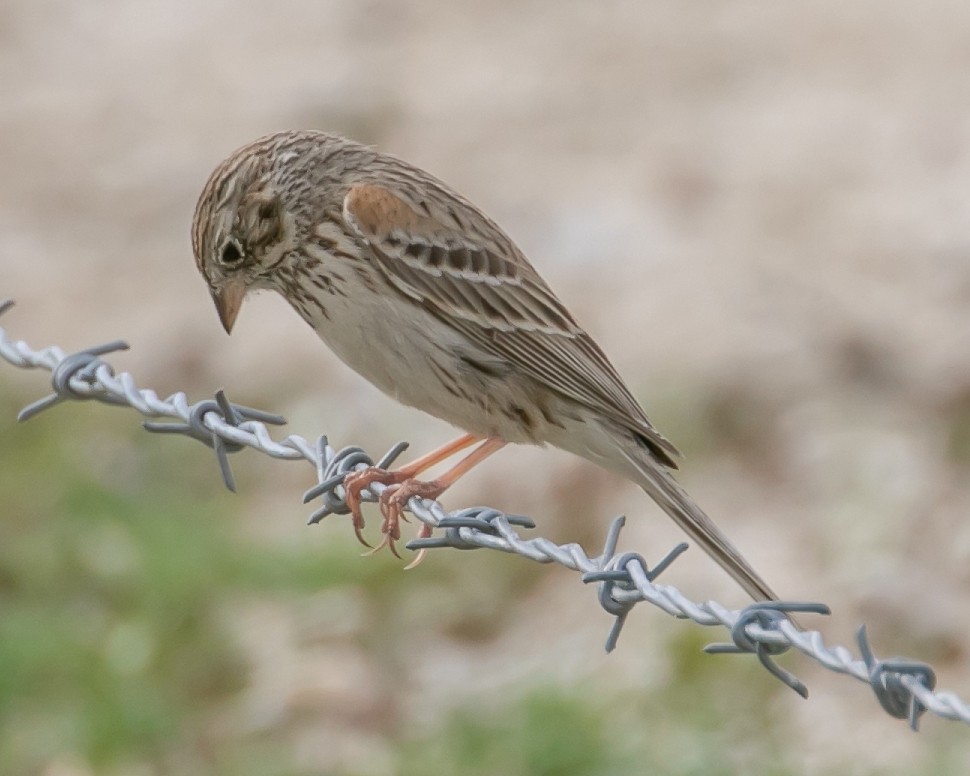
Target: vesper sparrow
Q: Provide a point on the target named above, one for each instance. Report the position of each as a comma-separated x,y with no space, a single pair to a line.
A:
420,292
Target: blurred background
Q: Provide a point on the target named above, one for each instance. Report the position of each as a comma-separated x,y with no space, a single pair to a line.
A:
760,210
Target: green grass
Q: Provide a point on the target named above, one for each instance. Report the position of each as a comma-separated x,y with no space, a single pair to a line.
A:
112,646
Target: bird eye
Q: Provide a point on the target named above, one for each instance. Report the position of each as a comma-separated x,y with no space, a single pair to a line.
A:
231,254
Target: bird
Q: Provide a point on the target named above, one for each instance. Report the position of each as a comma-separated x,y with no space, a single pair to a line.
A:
419,291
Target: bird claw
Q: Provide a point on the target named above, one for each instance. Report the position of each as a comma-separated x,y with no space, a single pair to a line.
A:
354,485
400,488
358,521
386,541
424,533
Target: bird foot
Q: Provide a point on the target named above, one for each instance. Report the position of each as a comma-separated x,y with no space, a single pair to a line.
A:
395,498
401,487
356,483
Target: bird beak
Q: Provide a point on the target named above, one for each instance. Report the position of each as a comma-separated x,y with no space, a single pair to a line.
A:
228,299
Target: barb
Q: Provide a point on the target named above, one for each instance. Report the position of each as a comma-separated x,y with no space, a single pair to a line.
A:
768,615
904,688
222,412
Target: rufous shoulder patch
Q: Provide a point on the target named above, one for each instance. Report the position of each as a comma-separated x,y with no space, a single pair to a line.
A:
377,211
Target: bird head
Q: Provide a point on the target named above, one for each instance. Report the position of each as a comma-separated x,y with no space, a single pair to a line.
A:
238,232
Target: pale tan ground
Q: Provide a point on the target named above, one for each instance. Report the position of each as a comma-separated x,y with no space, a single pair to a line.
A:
759,208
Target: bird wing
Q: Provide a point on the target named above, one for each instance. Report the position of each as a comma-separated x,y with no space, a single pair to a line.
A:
450,258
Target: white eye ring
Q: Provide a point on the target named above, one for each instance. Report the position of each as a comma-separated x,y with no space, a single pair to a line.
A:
231,253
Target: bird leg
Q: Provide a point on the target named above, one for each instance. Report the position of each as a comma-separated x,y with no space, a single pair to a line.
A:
396,495
356,482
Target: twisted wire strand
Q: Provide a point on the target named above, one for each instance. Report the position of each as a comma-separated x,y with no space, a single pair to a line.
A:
904,688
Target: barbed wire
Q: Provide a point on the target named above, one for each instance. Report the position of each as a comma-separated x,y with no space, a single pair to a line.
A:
904,688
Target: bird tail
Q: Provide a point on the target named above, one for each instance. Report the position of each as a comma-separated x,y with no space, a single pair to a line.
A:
673,499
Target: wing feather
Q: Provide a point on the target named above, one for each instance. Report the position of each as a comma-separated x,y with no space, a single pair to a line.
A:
477,280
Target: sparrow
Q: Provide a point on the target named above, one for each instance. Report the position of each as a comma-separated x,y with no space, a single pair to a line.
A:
426,297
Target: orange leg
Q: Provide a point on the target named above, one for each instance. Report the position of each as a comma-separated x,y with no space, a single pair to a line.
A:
356,482
396,496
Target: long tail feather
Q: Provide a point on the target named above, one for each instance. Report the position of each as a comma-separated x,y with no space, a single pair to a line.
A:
664,489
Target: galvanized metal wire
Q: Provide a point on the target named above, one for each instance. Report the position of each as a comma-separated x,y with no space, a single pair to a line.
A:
904,688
